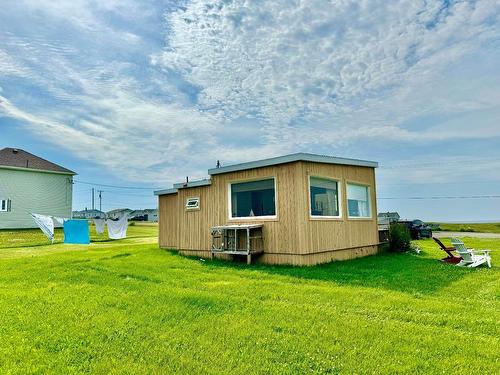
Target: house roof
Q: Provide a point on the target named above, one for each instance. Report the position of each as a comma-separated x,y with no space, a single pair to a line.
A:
90,210
17,158
118,210
301,156
195,183
166,191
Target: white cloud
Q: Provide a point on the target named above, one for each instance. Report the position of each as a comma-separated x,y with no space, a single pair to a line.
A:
137,140
287,60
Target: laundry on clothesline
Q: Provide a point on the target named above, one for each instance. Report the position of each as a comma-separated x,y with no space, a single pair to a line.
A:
117,229
99,225
59,220
76,232
46,224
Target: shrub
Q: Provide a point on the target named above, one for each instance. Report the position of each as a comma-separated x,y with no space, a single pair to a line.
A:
399,238
468,229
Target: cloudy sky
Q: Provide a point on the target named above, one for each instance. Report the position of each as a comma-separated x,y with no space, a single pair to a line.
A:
142,93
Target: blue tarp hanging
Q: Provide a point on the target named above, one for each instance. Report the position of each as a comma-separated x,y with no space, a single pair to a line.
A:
76,232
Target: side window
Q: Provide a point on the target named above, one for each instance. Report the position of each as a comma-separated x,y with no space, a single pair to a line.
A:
192,203
5,205
358,201
324,197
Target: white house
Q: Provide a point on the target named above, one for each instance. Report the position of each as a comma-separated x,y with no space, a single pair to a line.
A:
30,184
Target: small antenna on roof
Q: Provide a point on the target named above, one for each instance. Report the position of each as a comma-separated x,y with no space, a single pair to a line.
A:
218,164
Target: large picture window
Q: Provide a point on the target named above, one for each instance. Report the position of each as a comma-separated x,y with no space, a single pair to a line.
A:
253,198
358,200
324,197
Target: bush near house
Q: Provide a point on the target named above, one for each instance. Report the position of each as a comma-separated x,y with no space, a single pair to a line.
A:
399,238
128,307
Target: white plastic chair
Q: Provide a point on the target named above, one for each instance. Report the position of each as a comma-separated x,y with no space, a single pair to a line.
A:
469,258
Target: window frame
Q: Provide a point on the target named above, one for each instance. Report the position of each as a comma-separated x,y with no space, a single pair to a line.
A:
339,198
197,199
370,206
265,217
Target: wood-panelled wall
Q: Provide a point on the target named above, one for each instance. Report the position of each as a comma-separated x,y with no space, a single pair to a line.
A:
293,236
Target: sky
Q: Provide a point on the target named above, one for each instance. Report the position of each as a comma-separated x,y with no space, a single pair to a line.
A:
135,96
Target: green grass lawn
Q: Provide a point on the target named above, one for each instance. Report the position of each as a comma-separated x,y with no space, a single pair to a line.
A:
471,227
129,307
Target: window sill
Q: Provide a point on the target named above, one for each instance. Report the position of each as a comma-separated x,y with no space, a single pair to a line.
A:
360,218
326,218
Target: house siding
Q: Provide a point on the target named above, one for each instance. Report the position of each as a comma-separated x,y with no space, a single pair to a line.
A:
38,192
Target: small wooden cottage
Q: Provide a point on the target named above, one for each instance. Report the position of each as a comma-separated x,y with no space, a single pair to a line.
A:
298,209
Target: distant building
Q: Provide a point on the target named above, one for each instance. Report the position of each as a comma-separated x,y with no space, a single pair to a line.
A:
30,184
89,214
388,217
119,212
150,215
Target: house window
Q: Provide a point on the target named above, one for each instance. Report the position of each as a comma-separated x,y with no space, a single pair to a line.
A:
324,197
253,198
358,201
4,205
193,203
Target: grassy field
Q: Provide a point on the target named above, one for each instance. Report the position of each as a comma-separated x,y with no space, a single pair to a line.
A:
129,307
472,227
35,237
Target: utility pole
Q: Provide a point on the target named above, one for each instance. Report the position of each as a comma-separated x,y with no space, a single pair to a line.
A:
100,199
93,202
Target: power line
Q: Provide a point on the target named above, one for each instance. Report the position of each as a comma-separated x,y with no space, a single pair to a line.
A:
415,164
447,197
115,186
127,194
438,183
116,193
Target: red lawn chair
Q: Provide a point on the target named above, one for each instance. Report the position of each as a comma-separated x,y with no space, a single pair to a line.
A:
451,258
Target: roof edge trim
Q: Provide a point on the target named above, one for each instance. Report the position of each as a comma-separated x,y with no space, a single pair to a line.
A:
165,192
290,159
71,173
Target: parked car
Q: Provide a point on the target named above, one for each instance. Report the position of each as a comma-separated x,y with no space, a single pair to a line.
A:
417,228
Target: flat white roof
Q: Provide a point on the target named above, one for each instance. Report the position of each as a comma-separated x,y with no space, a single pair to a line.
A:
301,156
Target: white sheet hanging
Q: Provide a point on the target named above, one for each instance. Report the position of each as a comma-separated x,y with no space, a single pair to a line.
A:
46,224
99,225
59,220
118,229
